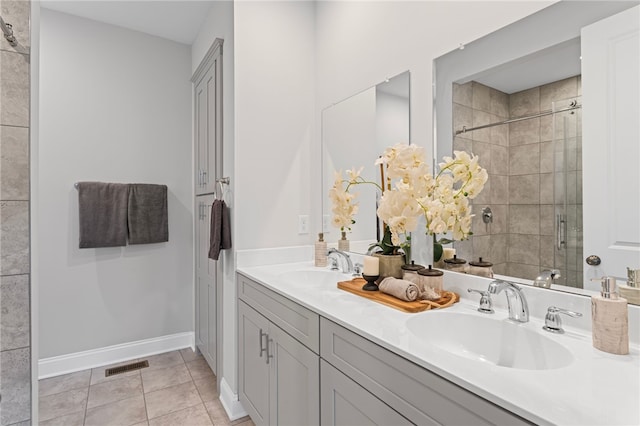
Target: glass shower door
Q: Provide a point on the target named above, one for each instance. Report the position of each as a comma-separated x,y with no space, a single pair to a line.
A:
567,194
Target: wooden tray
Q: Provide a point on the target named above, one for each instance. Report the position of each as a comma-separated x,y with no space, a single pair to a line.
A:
355,286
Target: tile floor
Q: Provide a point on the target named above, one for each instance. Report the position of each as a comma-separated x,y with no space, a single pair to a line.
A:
178,388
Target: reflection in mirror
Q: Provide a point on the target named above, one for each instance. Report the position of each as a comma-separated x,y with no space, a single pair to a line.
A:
515,99
355,132
530,141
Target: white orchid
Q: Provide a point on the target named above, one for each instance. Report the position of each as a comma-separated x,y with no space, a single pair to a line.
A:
411,191
344,205
443,200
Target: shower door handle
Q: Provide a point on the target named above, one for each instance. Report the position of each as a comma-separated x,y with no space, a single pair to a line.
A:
561,231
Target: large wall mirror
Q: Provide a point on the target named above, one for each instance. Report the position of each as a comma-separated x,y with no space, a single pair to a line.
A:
530,101
355,132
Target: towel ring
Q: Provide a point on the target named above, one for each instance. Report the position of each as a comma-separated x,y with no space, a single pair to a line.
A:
220,182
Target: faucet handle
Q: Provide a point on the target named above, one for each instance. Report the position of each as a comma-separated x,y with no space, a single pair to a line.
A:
334,264
552,320
486,305
357,269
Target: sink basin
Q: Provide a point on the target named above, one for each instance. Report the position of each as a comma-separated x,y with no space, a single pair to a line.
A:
314,277
496,341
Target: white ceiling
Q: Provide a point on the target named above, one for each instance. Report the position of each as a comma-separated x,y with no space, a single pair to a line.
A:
177,20
545,66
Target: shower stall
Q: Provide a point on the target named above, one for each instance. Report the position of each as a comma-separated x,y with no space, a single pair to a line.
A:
530,142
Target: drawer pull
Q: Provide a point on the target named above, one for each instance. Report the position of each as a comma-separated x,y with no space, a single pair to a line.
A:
269,341
262,349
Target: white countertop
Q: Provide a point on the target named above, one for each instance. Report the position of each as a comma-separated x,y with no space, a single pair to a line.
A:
597,388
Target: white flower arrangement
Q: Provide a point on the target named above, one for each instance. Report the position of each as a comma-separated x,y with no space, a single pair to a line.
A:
442,200
344,205
412,191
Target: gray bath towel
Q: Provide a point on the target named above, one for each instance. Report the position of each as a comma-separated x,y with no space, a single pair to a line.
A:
103,214
220,229
148,215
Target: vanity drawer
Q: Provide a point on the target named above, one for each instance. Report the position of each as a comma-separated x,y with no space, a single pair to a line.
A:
298,321
419,395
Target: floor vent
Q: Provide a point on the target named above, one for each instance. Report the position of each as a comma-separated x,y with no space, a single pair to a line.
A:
126,368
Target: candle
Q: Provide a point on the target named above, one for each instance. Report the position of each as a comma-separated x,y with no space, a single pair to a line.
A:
448,253
371,266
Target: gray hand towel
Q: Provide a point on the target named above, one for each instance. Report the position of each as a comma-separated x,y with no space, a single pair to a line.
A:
103,214
220,229
147,214
402,289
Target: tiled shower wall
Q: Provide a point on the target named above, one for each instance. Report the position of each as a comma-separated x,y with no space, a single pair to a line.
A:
15,336
519,158
533,154
474,105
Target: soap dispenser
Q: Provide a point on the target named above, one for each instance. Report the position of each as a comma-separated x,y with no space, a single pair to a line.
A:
610,321
321,251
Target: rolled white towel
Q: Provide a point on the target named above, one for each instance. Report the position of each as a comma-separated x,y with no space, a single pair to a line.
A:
402,289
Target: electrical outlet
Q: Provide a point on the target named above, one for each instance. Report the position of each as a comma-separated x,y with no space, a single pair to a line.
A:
303,224
325,223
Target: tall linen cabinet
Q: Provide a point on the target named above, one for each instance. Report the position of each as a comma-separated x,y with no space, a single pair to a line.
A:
207,96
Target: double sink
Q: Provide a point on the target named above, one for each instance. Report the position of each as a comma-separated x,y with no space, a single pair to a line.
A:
491,339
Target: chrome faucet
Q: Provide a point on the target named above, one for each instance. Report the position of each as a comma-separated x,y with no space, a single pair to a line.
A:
518,308
546,277
346,266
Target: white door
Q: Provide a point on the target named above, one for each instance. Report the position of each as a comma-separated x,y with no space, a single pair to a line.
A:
611,144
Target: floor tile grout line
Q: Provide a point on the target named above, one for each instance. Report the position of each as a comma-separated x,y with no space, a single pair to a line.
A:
86,403
66,390
111,382
180,384
202,399
144,398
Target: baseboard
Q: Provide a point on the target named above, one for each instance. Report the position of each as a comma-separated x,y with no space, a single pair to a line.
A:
230,401
63,364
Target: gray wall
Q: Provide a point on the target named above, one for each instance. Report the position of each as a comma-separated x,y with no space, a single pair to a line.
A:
15,333
104,121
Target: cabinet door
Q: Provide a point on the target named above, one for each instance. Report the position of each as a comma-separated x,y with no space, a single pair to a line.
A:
201,132
344,402
208,128
295,381
201,287
206,291
254,371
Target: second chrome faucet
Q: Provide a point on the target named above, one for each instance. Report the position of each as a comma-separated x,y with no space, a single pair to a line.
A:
346,265
517,303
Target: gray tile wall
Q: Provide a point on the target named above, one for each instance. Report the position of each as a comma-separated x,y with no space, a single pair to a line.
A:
520,159
15,330
475,104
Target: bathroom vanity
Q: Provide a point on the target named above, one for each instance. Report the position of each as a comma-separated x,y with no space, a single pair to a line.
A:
310,353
